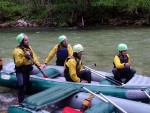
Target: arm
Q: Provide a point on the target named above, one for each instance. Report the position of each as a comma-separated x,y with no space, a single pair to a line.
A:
70,51
117,62
127,65
72,70
35,58
51,54
19,57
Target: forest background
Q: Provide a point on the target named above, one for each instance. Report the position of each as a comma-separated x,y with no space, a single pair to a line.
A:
80,13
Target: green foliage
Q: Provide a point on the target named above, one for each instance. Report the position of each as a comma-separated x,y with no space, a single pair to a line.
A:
12,9
107,3
63,11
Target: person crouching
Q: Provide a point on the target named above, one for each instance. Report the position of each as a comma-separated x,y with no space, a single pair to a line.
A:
73,71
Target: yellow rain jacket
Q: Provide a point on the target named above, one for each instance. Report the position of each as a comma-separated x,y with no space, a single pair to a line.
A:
54,51
73,65
121,64
20,59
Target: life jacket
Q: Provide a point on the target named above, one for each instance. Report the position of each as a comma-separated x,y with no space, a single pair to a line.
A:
61,55
123,59
1,64
26,49
66,70
24,68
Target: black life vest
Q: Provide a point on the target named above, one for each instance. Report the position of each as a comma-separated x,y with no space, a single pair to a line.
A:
123,59
66,70
24,49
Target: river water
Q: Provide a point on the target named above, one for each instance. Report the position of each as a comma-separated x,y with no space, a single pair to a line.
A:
100,44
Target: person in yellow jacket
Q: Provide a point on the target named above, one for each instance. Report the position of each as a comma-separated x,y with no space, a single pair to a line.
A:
122,65
73,71
23,65
62,51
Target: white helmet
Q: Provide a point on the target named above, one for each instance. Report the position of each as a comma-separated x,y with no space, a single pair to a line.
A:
77,48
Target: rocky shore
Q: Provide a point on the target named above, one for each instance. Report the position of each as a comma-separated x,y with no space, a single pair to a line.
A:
49,23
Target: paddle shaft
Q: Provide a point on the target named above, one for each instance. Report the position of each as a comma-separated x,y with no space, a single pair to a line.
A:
122,110
45,76
146,93
95,94
105,99
103,76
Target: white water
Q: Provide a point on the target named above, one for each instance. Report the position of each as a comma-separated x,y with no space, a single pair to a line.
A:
7,99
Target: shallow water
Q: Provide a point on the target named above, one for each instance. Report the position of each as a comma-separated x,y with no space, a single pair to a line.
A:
7,97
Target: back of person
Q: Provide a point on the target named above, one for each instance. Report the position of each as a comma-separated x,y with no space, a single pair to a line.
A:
122,65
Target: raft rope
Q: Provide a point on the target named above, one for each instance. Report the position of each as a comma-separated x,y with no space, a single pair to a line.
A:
103,76
105,99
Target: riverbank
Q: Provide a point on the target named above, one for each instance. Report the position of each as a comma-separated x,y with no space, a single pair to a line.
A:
116,22
74,13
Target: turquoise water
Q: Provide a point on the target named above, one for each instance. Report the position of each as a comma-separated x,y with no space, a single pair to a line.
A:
100,44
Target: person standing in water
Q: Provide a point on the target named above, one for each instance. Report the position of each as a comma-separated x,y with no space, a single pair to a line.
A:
22,55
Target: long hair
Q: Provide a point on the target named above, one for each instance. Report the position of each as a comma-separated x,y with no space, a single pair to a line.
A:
76,55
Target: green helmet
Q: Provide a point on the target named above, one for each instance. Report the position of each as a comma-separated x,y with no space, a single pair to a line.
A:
77,48
61,38
20,37
122,47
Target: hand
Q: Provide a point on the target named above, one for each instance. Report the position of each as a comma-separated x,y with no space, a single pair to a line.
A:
84,81
27,55
127,65
43,66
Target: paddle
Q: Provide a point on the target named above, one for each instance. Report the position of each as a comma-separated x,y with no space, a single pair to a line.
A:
45,76
146,93
92,65
103,76
105,99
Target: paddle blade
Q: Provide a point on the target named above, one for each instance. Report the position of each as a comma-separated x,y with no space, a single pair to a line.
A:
45,76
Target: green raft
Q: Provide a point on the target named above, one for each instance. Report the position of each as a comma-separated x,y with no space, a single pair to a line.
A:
39,84
51,97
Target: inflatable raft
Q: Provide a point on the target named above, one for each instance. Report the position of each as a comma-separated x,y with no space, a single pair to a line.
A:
136,89
70,99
